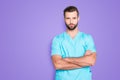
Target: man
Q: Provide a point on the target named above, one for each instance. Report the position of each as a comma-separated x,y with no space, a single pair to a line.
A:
73,52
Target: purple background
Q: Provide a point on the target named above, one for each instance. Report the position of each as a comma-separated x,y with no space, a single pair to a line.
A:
28,26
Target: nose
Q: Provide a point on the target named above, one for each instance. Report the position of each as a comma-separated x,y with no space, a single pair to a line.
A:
71,20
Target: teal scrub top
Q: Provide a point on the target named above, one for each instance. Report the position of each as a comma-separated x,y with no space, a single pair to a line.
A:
65,46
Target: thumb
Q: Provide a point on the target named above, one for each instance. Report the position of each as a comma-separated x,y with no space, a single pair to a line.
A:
88,52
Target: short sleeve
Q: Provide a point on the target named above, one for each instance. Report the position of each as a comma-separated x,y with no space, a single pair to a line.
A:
90,43
55,49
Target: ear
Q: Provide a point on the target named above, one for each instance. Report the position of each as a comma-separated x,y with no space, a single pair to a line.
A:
78,18
64,18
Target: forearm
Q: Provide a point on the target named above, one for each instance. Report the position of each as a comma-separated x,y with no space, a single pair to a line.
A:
79,61
64,65
87,60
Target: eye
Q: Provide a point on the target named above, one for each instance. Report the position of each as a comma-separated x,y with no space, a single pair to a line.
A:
67,18
74,17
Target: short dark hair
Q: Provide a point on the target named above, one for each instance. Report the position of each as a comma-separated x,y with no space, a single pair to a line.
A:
71,9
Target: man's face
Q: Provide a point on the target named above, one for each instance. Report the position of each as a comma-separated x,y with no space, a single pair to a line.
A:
71,20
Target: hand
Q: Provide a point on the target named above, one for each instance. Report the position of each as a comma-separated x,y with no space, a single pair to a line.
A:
67,59
88,52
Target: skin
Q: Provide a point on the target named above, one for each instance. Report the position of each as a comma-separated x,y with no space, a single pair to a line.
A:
71,20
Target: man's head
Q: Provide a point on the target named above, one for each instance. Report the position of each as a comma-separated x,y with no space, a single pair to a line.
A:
71,17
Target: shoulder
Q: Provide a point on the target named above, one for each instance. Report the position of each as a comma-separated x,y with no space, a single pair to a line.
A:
59,37
85,35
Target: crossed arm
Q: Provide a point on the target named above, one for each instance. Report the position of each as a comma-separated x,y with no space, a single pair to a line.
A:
72,63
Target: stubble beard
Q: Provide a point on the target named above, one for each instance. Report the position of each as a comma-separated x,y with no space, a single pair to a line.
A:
71,28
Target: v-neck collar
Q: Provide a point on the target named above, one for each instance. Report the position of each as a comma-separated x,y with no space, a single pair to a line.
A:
73,39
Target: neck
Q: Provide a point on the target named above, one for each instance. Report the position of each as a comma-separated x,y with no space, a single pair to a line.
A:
72,33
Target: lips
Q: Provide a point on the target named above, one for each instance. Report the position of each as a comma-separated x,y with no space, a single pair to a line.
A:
71,24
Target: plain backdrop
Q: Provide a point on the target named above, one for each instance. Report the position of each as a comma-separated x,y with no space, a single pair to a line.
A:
27,28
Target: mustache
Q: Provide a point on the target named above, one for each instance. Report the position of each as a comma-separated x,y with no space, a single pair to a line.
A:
71,24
